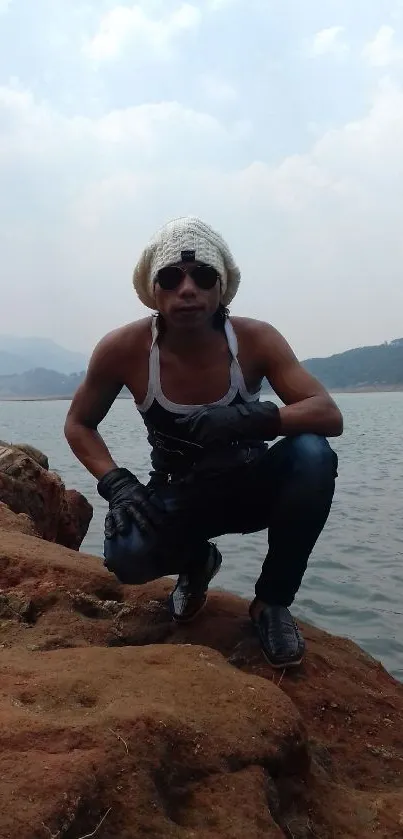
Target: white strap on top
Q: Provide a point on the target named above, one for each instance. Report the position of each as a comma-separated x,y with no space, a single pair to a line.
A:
237,382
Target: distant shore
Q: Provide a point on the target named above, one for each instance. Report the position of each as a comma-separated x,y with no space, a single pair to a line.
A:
44,398
365,389
368,389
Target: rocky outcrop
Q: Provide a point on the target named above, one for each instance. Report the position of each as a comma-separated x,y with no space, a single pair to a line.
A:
109,711
26,486
115,722
16,522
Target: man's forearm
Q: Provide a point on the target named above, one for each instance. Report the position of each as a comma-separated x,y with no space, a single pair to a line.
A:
89,448
315,415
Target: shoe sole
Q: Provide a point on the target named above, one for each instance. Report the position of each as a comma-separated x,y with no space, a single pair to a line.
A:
195,614
192,617
287,666
284,666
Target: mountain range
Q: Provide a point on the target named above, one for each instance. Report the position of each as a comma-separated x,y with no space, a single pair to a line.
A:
60,371
17,355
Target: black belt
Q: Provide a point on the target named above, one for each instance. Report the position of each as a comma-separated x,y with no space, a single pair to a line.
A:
183,460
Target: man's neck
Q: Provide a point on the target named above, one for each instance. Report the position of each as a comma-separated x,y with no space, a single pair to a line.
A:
191,341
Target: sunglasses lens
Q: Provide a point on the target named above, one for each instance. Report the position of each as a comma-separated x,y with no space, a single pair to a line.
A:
205,276
169,277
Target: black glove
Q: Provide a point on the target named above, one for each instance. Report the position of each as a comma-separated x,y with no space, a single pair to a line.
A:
213,425
129,502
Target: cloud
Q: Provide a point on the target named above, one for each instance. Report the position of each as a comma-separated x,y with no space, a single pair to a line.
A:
382,51
217,5
42,135
317,233
217,89
329,42
126,25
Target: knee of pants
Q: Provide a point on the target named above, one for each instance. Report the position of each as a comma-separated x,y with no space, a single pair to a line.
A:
131,558
312,453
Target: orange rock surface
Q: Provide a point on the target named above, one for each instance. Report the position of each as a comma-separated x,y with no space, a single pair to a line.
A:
117,723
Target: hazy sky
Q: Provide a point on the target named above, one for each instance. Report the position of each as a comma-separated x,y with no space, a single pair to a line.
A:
280,122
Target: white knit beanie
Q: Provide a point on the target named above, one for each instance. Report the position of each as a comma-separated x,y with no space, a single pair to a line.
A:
168,246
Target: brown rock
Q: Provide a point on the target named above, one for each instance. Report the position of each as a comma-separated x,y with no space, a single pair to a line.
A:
181,721
178,742
17,523
31,451
74,520
28,487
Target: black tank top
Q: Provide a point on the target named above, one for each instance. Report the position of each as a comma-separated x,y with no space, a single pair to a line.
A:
172,451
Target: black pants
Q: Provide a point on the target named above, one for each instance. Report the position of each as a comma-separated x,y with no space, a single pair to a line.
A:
287,489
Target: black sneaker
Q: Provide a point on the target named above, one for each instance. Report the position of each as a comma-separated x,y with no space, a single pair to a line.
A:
280,639
190,593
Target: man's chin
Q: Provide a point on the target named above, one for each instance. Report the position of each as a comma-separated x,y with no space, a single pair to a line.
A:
188,318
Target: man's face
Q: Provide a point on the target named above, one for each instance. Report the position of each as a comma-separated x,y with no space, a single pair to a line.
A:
182,297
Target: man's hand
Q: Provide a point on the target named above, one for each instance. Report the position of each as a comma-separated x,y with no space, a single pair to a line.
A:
214,425
130,502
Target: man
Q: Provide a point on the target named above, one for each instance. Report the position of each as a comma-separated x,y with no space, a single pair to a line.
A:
195,375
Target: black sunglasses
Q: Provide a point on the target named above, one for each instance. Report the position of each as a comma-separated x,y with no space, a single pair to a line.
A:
170,277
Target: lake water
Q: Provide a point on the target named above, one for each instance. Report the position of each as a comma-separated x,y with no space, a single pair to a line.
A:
354,583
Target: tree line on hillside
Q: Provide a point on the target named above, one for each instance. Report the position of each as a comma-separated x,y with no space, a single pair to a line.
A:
379,366
41,383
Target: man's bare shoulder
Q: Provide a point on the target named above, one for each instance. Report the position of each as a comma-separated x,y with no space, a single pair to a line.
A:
118,347
264,343
126,338
253,328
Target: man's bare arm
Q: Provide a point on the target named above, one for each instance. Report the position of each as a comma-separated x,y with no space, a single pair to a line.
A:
90,405
309,408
